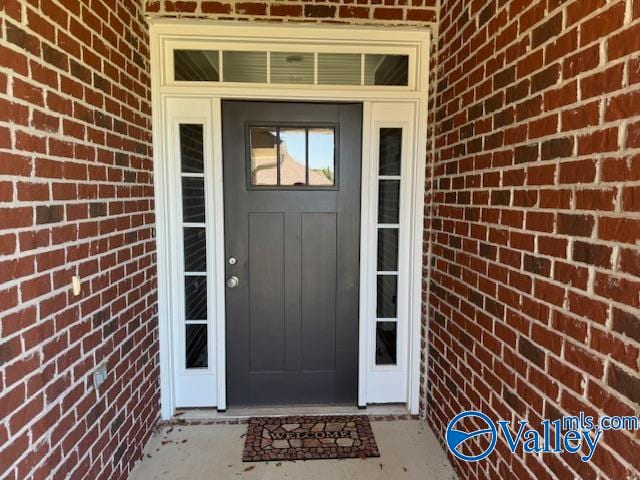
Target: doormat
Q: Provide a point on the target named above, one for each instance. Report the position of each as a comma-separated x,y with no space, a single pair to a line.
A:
309,438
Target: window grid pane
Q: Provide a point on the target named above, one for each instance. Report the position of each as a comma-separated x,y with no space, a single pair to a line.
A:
193,200
196,346
386,343
264,155
390,151
386,70
294,68
321,157
246,67
292,157
339,68
191,148
196,65
388,249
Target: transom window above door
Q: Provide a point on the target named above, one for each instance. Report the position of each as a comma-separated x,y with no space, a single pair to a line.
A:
289,157
310,61
291,67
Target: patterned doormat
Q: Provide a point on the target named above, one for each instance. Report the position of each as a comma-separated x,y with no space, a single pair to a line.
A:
309,438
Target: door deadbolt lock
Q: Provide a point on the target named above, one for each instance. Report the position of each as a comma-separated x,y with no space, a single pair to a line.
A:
232,260
232,282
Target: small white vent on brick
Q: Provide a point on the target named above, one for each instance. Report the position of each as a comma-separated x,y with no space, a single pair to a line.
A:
100,375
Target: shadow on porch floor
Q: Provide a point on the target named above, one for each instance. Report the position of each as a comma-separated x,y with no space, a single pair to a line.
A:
408,449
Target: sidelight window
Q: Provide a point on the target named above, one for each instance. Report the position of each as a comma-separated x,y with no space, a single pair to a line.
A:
389,156
192,181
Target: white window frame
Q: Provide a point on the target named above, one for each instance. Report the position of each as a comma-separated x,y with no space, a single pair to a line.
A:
382,106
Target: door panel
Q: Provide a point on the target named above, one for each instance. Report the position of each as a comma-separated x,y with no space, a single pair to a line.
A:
319,235
266,300
292,221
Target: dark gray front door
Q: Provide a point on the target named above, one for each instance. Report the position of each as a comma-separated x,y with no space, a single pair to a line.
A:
292,236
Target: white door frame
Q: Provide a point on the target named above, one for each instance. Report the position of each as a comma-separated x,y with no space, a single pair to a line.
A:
386,101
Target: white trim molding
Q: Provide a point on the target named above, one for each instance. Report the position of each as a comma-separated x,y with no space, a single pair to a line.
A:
383,106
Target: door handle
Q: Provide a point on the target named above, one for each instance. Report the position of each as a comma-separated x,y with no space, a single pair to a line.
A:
232,282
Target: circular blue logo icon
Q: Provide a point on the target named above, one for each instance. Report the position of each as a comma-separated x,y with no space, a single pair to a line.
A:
456,438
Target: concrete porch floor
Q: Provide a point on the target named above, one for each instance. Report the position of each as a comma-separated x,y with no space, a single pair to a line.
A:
408,449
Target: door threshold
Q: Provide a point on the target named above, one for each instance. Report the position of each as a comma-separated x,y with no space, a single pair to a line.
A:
206,416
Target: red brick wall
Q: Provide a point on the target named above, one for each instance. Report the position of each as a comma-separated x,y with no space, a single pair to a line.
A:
534,302
416,12
76,197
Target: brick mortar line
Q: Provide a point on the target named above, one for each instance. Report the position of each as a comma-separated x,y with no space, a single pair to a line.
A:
135,21
581,102
66,267
606,359
60,398
45,88
561,388
336,20
516,415
144,304
563,9
77,243
568,288
553,308
601,67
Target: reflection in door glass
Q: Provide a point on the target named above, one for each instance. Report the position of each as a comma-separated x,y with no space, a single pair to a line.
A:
387,304
388,249
386,335
306,156
195,250
196,65
195,297
191,148
389,201
390,151
193,200
196,346
264,153
386,69
339,68
292,157
244,67
321,157
292,67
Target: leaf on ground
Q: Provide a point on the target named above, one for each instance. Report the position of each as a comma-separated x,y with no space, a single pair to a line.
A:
248,469
184,441
381,465
405,469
